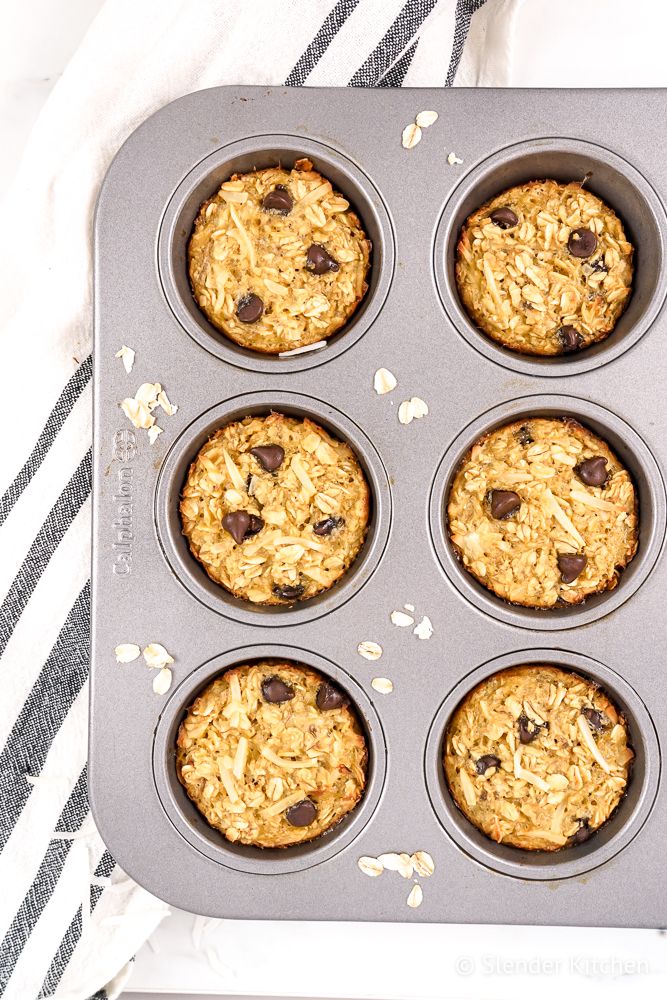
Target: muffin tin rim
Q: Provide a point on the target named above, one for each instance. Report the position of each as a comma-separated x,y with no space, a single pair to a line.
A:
446,237
192,576
245,858
597,606
367,311
482,849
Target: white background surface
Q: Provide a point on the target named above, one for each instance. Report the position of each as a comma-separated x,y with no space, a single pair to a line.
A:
565,43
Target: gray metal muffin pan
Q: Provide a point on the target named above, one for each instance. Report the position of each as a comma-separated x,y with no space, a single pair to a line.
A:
147,587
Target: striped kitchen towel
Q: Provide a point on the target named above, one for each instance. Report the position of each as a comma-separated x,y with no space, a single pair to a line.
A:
70,919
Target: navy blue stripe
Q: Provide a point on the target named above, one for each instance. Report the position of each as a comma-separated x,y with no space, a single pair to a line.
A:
397,38
321,42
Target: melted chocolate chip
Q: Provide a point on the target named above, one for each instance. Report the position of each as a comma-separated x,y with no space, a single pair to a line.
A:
504,218
582,242
241,525
595,718
598,265
279,201
593,471
524,436
319,261
570,566
482,764
269,456
276,691
287,593
326,526
330,697
249,308
528,730
504,503
236,523
301,813
570,339
255,526
582,834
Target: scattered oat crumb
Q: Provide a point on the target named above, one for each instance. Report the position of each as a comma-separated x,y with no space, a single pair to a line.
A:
162,681
426,118
401,863
384,381
127,356
452,159
154,433
424,864
370,866
382,685
416,897
156,655
412,409
369,650
303,350
424,628
126,652
411,135
139,408
401,619
409,607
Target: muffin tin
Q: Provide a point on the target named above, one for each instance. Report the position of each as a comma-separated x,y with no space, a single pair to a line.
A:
147,587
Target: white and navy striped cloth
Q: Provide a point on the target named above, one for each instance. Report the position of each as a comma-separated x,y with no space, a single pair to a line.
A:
70,920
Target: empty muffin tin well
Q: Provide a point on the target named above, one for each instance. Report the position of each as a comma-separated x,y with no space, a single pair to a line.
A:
175,546
622,826
147,587
613,179
258,153
190,823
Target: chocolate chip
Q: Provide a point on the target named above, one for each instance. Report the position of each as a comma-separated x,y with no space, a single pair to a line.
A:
570,566
582,834
241,525
269,456
597,719
319,261
301,813
504,218
276,691
326,526
249,308
599,265
256,525
570,339
279,201
524,436
237,523
593,471
287,593
504,503
482,764
329,697
528,730
582,242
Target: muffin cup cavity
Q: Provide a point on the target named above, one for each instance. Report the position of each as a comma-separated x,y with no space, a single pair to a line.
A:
256,153
619,830
618,184
632,452
175,546
190,823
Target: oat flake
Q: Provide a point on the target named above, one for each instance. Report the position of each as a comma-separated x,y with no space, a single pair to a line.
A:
411,135
400,619
162,681
127,652
384,381
382,685
424,628
416,897
369,650
127,356
156,655
426,118
370,866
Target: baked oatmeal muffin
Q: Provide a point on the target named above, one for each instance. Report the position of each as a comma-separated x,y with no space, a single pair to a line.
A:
544,268
542,513
275,508
277,259
272,754
537,757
